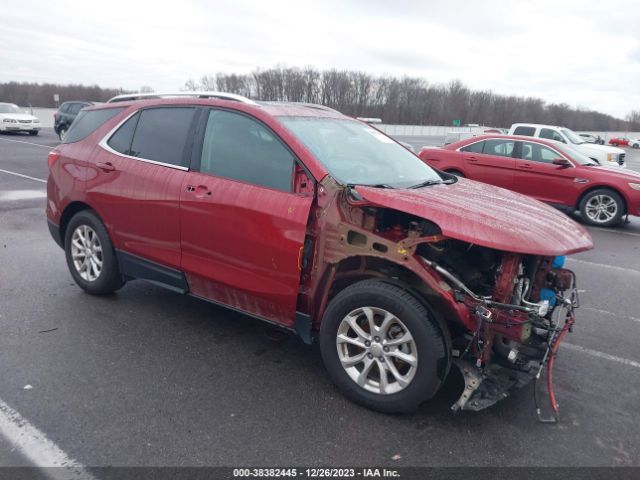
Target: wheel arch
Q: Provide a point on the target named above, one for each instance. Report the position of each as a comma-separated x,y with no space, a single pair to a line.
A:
591,188
68,213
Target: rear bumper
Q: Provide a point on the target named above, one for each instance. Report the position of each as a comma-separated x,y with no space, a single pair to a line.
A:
54,230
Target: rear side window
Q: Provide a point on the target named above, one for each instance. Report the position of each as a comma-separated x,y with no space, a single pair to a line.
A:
526,131
499,148
88,122
238,147
161,134
121,140
64,108
474,147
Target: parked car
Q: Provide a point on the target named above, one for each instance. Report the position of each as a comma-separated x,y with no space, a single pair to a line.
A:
626,141
14,119
603,154
598,140
316,222
65,116
553,172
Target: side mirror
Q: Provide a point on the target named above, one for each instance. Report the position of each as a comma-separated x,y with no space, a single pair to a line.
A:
561,162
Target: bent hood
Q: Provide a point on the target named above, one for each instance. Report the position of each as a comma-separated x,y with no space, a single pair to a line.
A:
485,215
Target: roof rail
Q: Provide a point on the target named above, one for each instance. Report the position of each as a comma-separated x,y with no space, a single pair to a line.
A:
316,106
147,96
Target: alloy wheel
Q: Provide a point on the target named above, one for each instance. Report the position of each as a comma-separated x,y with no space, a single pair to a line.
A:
601,208
86,253
377,350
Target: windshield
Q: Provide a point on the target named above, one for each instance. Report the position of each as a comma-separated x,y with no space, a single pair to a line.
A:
574,154
572,136
356,154
8,108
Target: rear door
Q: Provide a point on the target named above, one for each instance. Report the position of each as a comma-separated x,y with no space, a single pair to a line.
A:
242,224
537,176
136,182
494,164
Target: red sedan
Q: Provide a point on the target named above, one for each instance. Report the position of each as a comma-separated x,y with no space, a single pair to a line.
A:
549,171
627,142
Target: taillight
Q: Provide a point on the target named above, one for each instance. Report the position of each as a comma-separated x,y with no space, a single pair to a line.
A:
53,157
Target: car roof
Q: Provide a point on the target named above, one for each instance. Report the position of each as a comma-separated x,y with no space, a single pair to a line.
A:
521,138
275,109
542,125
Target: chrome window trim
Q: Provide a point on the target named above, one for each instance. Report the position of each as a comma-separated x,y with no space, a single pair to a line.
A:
103,143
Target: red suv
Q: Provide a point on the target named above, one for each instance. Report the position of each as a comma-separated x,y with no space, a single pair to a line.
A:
323,225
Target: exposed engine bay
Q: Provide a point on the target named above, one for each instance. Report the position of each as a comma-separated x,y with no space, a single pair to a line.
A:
519,308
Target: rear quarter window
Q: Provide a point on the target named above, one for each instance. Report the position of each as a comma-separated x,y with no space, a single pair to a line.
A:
474,147
526,131
88,122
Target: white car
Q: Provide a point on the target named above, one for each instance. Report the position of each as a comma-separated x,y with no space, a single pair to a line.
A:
603,154
14,119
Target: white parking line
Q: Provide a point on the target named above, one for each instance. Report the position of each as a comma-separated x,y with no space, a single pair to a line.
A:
13,195
610,314
37,448
604,265
29,143
23,176
598,354
615,231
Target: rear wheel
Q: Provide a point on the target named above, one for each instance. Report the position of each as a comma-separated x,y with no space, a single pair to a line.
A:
90,255
636,145
602,207
382,347
33,133
62,132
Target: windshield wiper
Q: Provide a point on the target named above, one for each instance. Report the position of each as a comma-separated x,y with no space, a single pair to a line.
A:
428,183
375,185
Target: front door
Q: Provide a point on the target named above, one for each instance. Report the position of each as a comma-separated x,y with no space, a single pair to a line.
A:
242,224
494,165
538,177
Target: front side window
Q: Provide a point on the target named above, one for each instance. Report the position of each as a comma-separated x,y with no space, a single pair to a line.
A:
87,122
499,148
572,137
238,147
161,134
551,135
357,154
538,153
526,131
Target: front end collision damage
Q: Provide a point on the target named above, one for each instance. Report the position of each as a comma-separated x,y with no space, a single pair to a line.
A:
503,313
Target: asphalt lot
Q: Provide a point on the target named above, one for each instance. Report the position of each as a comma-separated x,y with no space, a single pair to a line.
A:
149,377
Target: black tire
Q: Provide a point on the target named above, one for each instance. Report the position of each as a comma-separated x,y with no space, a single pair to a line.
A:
636,145
62,132
457,173
109,279
33,133
591,197
428,336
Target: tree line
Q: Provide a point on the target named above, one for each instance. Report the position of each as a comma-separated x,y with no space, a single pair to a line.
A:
41,94
406,100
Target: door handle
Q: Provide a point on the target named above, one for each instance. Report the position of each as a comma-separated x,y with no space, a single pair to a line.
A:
525,166
106,166
199,190
472,159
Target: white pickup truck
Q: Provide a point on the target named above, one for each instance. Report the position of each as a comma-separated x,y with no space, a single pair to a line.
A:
603,154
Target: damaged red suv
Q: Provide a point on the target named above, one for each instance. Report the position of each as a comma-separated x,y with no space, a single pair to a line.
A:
319,223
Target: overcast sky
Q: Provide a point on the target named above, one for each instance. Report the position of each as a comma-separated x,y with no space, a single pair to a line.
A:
585,53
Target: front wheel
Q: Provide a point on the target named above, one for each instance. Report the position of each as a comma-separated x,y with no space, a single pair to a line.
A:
382,347
636,145
62,132
602,207
90,255
33,133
